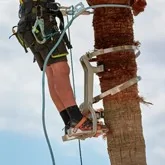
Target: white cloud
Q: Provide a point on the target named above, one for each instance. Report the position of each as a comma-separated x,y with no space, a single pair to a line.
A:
149,25
21,80
160,152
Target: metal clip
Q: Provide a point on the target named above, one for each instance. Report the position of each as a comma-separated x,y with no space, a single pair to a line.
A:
79,8
74,10
39,12
39,28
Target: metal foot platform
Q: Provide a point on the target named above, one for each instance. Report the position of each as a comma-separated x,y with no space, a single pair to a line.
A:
82,135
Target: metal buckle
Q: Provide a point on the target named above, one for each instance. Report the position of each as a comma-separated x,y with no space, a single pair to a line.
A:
39,25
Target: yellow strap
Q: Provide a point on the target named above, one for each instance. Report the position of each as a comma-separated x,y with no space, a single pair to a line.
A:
21,2
59,55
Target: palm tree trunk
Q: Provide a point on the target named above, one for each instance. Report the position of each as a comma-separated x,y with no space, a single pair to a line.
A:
114,27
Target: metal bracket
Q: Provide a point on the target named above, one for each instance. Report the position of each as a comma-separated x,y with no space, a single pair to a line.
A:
81,135
79,9
89,71
117,89
89,100
115,49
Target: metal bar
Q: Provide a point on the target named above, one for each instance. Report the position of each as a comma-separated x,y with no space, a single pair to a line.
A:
89,71
114,49
80,8
65,13
82,135
117,89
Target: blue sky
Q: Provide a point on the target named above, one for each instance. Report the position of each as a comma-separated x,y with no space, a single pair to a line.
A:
21,134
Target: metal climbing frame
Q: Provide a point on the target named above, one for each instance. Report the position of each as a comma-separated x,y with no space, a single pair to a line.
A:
87,106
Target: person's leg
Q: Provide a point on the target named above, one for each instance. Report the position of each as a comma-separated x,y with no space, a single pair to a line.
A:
64,91
55,98
57,72
62,83
63,88
58,103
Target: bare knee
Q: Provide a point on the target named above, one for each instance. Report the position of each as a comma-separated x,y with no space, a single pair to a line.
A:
60,69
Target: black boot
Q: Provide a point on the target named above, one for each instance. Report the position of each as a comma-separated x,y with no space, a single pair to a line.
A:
66,119
78,121
74,114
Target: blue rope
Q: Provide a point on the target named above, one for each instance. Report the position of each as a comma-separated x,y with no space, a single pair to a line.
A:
74,16
74,89
43,90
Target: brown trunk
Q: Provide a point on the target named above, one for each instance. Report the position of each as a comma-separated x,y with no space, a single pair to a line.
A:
114,27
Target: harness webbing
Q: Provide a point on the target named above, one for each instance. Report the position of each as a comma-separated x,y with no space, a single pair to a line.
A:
29,10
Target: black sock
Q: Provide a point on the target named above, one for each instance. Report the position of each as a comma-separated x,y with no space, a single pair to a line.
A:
74,113
65,117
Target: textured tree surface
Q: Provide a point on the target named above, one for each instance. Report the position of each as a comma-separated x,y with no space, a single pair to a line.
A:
114,27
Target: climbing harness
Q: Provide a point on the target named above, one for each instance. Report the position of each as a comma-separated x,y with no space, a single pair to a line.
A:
32,14
39,23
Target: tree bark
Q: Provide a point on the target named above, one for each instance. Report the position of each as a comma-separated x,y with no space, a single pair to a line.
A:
114,27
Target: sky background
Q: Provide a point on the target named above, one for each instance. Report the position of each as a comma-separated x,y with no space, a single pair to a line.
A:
21,135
